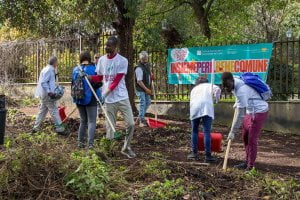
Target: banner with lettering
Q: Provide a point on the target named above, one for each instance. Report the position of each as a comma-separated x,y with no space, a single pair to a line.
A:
186,64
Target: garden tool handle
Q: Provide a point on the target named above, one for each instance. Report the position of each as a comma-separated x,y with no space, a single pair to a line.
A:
103,109
226,155
69,115
154,97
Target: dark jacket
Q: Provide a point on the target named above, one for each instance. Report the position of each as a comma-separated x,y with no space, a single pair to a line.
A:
146,77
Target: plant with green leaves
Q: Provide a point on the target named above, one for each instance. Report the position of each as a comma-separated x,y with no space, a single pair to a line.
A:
90,177
170,189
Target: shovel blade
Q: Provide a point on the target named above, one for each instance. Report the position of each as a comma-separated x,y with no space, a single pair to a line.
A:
155,123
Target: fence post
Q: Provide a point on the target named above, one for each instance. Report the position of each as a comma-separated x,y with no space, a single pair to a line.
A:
37,61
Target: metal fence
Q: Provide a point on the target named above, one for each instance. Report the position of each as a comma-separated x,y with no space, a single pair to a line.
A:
22,62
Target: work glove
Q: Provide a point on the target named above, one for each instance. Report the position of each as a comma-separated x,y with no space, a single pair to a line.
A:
230,136
51,95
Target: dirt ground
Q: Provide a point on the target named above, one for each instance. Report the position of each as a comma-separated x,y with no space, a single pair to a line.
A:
278,158
277,153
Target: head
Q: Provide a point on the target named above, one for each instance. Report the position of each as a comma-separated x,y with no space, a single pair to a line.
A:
96,58
227,81
201,79
111,45
53,61
85,57
143,56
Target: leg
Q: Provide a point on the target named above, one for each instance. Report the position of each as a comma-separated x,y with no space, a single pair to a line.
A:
92,116
111,110
195,132
147,102
207,120
254,132
245,133
142,99
53,109
83,124
126,111
41,115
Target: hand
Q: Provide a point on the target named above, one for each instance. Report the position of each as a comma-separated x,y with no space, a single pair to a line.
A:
230,136
102,99
82,73
51,95
149,92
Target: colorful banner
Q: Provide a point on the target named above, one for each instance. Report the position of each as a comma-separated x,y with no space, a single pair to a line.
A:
186,64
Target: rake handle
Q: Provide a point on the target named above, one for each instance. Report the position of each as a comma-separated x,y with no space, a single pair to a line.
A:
103,109
226,155
69,115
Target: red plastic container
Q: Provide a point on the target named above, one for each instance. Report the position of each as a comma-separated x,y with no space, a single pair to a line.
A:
216,142
62,112
155,123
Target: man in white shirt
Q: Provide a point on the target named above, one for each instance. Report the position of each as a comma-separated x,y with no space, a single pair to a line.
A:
202,109
251,111
112,68
46,92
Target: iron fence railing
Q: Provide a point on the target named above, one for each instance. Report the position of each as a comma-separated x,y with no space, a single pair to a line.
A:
22,62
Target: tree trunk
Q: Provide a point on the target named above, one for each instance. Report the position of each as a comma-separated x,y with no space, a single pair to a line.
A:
124,27
202,15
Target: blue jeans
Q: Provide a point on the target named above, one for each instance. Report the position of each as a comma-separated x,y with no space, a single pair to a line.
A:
145,102
206,120
88,117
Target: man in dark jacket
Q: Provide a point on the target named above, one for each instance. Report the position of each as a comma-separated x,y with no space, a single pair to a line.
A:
143,86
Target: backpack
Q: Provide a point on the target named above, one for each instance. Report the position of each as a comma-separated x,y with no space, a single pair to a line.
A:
255,82
77,88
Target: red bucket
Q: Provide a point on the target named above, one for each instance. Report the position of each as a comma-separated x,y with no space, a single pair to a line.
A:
216,142
155,123
62,112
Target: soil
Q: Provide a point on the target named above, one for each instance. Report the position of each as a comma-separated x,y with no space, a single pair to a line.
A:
277,154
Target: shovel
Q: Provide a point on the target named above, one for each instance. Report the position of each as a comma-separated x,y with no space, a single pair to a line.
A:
117,135
154,123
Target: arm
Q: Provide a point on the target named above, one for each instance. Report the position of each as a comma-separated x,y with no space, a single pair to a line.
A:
238,117
217,93
45,82
142,85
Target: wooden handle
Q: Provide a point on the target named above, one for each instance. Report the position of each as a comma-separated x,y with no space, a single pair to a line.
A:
226,155
103,109
154,98
69,115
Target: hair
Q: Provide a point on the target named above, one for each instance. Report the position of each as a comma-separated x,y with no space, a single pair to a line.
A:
85,56
143,54
52,60
114,40
201,79
97,55
226,76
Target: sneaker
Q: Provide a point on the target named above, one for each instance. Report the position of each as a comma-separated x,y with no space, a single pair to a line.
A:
34,131
192,156
143,123
81,145
210,159
241,166
91,146
128,152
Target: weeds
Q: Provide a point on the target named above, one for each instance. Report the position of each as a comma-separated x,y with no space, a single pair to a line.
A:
280,189
170,189
90,177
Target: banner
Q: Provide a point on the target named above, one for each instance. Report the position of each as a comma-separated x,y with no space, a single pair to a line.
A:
186,64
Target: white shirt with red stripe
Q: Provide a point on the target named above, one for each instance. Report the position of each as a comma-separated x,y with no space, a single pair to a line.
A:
109,68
